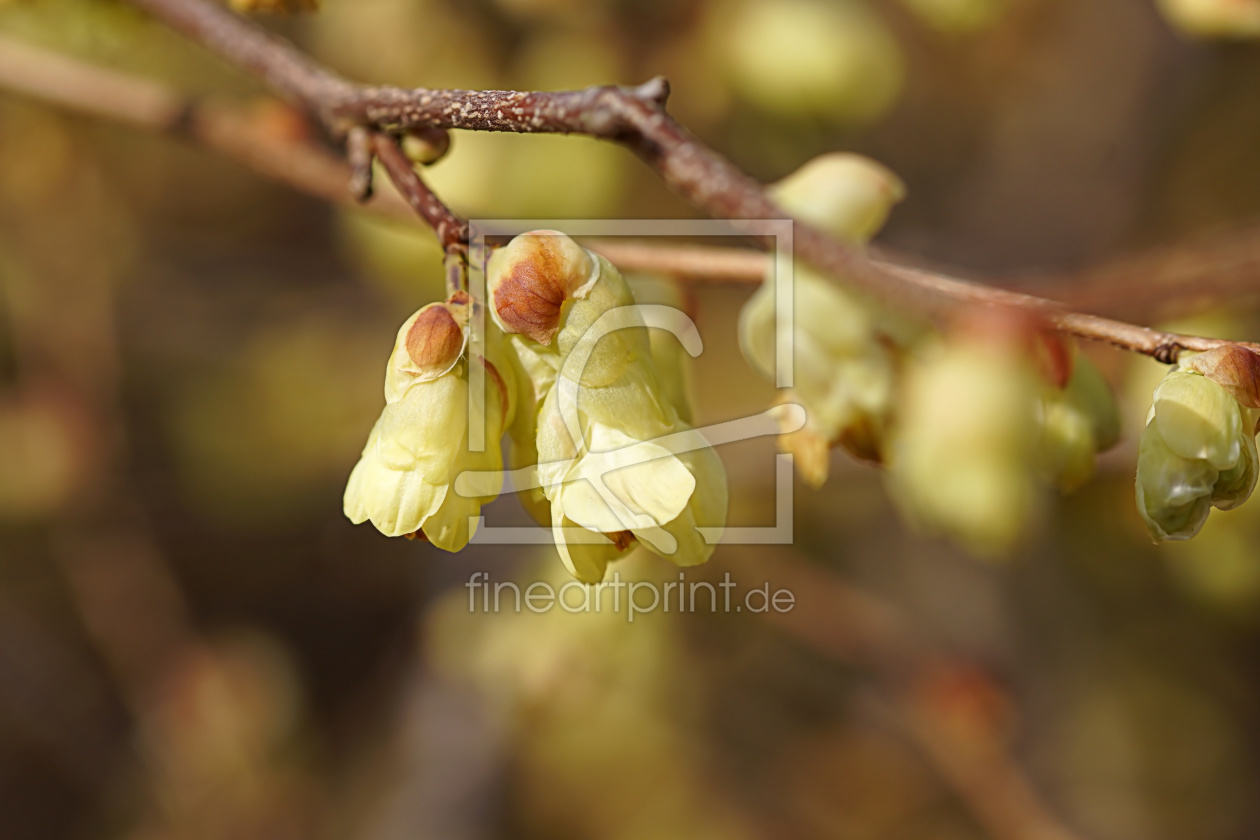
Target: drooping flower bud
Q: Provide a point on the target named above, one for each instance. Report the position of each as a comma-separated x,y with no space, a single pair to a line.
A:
844,349
1077,421
534,279
847,195
1214,18
615,460
962,458
402,483
1198,450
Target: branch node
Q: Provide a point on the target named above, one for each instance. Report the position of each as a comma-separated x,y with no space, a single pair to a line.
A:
655,90
1167,353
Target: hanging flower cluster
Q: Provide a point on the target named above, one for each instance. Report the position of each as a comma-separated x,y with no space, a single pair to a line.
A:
969,425
1198,450
593,407
845,350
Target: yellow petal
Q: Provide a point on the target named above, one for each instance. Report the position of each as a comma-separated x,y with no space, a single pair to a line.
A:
1198,419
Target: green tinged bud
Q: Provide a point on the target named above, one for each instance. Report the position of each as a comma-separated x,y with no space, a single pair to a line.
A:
1077,421
1198,451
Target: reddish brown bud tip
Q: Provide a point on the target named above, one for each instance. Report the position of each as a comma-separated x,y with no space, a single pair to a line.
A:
1234,368
435,340
531,278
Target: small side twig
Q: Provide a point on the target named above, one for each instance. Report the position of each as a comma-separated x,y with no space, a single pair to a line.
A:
452,232
949,710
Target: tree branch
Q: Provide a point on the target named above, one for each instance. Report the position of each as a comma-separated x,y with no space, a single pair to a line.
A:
635,118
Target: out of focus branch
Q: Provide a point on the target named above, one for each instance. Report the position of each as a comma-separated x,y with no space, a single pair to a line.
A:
956,717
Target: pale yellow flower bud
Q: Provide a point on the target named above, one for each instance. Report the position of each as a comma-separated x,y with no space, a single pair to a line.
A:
831,58
615,460
532,281
962,457
844,348
1214,18
402,483
847,195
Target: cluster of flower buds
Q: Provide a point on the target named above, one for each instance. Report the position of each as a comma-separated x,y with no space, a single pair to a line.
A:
1214,18
404,480
982,426
845,350
603,412
1198,450
591,398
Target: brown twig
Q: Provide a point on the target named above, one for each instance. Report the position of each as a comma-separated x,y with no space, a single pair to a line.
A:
636,118
452,232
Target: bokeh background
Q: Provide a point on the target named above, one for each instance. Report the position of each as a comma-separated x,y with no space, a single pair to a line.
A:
195,643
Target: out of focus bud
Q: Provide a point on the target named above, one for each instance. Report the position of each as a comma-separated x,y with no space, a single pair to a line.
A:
962,458
958,16
1214,18
1077,421
419,445
811,57
1198,450
847,195
844,349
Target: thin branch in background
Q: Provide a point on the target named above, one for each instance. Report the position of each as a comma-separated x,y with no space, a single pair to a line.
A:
960,731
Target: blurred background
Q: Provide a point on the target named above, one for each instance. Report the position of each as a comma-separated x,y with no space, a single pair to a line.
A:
194,642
